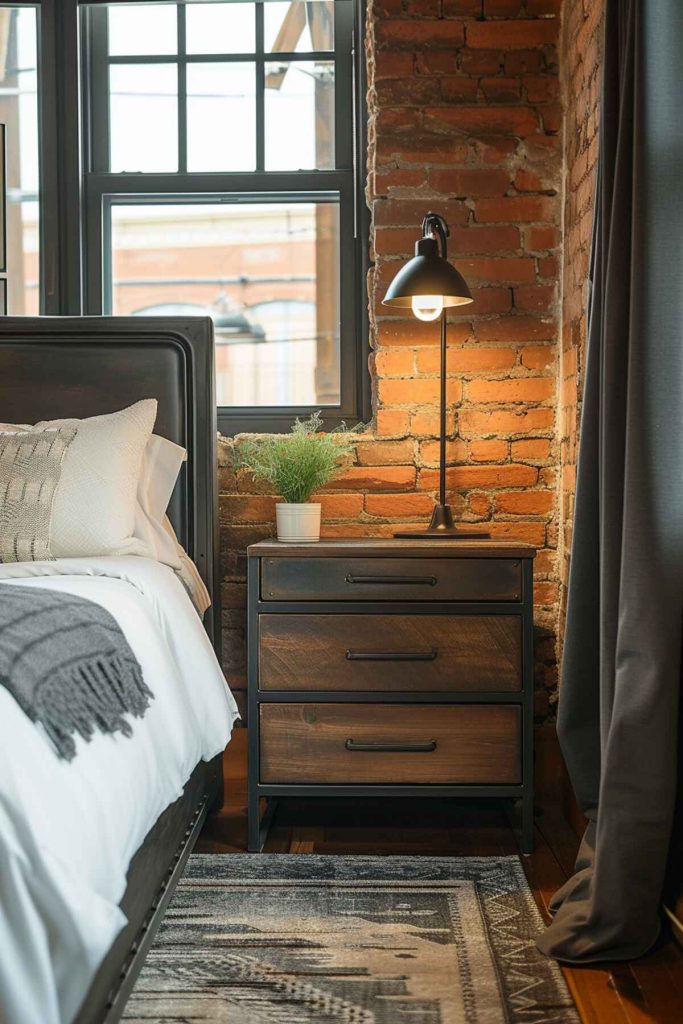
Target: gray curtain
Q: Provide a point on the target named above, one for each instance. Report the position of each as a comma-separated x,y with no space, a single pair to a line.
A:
619,695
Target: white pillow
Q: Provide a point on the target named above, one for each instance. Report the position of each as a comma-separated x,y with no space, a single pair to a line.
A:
94,502
189,574
161,465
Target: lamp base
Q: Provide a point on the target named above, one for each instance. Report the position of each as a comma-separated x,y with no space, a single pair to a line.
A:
441,527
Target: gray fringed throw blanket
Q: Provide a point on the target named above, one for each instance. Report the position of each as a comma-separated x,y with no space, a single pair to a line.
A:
68,665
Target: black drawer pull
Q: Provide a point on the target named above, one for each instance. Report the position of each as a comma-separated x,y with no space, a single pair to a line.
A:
392,748
429,581
391,655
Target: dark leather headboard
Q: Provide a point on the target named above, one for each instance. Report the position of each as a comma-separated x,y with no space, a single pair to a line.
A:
54,367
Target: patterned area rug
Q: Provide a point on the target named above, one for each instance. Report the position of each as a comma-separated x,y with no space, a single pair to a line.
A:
286,939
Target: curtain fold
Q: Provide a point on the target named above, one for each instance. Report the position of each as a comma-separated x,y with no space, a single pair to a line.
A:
621,674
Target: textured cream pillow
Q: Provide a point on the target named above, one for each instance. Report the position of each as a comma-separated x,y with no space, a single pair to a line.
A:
94,501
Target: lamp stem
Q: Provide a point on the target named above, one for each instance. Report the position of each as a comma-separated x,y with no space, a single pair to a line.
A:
442,424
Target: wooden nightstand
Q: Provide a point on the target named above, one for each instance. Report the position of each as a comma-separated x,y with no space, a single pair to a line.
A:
390,668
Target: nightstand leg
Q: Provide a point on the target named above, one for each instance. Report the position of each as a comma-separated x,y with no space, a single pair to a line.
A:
253,820
528,821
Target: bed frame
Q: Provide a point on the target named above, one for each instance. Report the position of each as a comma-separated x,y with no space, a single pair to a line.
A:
54,367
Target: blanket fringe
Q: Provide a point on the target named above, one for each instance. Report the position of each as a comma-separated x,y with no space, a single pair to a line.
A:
94,694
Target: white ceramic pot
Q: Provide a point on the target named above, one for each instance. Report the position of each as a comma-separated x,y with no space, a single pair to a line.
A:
298,523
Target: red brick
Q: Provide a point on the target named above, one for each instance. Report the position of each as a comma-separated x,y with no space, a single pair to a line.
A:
540,88
479,504
399,120
456,451
396,241
527,180
484,240
501,90
551,116
398,505
341,506
398,178
421,148
410,92
511,35
538,357
392,422
456,89
385,453
426,423
517,389
243,508
481,62
488,451
490,477
525,503
469,182
414,35
394,65
416,332
410,212
516,208
537,298
490,300
395,363
535,449
541,7
509,269
461,8
549,266
439,62
467,360
545,593
419,391
474,423
516,329
502,8
494,150
541,238
529,533
380,478
520,62
485,120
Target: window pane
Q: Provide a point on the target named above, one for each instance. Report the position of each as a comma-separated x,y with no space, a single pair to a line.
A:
298,26
221,28
299,118
143,29
19,111
268,274
221,119
144,117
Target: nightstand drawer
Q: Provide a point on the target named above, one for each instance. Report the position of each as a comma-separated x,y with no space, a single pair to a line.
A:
391,579
390,743
390,652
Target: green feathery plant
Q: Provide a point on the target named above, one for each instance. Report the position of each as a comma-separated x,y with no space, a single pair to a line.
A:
297,464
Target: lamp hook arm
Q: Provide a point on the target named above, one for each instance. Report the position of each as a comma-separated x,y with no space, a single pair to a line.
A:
434,224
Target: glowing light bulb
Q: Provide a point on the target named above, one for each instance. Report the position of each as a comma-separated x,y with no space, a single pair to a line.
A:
427,307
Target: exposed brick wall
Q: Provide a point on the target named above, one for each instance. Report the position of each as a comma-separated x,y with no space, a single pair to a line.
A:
465,119
580,62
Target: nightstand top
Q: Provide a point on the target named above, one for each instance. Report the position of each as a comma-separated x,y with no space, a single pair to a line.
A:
343,547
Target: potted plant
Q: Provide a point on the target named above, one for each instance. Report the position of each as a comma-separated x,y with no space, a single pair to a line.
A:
296,465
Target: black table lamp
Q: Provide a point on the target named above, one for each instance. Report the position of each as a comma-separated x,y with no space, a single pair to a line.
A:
428,284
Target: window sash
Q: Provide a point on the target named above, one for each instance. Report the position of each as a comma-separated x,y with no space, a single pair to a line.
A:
73,192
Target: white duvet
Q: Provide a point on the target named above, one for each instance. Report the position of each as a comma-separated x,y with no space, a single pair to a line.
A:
68,830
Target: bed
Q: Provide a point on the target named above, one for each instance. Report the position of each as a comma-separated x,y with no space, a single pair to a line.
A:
123,817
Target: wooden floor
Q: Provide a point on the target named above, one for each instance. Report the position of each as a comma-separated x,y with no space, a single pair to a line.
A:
650,989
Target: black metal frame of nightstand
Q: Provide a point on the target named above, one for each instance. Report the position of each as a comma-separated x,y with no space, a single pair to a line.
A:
257,829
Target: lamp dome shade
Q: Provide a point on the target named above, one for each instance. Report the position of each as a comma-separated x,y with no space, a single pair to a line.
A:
427,273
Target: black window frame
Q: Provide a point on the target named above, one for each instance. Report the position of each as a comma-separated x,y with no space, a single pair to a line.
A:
74,192
66,228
